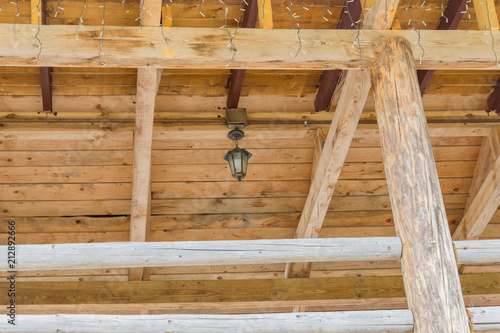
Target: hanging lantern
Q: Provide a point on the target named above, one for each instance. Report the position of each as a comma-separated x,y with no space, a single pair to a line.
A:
237,158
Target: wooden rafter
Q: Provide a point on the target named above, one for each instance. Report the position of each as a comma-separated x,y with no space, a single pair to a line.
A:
238,75
257,49
351,103
449,21
328,82
484,195
147,88
40,14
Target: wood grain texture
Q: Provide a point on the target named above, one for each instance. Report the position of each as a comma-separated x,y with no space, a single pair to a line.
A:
355,89
161,254
143,138
397,321
428,259
258,48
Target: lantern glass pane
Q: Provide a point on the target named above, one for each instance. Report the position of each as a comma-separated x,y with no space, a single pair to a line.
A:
238,159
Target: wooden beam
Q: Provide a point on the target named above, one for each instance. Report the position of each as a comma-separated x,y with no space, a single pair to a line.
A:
148,81
328,82
486,14
351,103
454,12
143,137
485,319
484,197
236,293
265,14
206,48
194,253
428,259
238,75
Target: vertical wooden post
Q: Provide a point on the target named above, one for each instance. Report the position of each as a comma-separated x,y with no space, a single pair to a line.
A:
428,259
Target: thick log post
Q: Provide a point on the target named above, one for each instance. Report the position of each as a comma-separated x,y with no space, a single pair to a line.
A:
428,260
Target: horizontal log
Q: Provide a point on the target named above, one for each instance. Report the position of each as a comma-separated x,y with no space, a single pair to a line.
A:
249,292
75,46
158,254
398,321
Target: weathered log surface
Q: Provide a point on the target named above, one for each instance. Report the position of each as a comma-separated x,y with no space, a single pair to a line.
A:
398,321
160,254
428,260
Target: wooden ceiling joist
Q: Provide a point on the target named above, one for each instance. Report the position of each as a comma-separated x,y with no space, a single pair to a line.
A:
245,252
348,20
238,75
485,319
257,48
484,195
345,120
60,296
454,12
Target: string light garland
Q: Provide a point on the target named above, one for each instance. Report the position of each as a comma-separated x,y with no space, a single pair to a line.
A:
412,22
58,7
442,11
35,38
231,44
327,10
125,6
140,14
491,32
80,18
293,17
357,39
165,6
102,31
469,14
201,13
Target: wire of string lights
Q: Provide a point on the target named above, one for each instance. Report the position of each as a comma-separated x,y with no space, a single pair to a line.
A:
326,10
293,16
35,38
165,17
469,14
102,31
232,36
80,18
488,12
414,28
201,3
357,39
58,7
125,6
139,18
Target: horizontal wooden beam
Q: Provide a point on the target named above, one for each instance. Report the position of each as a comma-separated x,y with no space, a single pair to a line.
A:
484,319
193,253
77,46
236,293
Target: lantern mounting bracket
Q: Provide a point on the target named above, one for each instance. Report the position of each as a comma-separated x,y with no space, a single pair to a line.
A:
236,134
236,118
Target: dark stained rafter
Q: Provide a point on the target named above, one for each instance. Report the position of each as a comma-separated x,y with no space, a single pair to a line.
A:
494,98
452,16
238,75
329,79
45,72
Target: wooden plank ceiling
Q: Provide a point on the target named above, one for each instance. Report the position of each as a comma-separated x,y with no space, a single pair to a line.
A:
66,175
